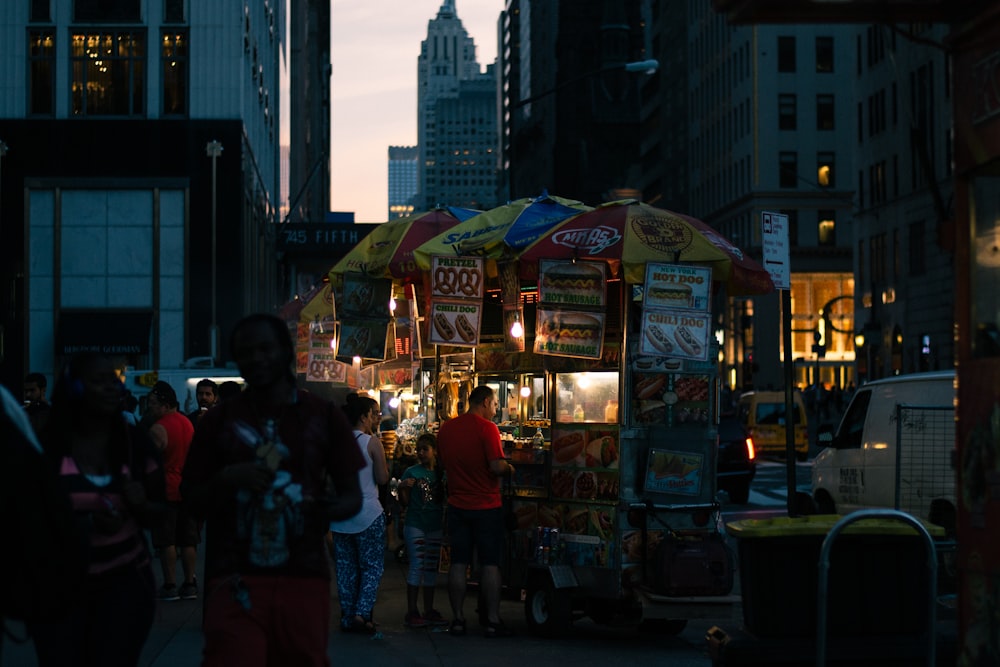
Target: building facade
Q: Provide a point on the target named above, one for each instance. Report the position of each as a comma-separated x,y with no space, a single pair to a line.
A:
903,246
456,118
403,181
138,188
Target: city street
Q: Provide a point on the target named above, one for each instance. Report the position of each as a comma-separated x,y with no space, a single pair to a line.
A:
176,638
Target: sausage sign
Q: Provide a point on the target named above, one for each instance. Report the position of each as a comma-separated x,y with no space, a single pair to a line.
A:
675,317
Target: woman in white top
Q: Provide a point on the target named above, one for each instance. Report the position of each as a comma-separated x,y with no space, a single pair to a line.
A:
359,542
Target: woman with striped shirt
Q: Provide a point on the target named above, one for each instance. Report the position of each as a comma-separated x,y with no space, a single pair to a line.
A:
114,481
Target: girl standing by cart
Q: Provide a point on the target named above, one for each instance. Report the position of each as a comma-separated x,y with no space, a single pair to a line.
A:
421,491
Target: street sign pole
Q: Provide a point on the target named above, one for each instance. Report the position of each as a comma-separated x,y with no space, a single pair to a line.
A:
777,262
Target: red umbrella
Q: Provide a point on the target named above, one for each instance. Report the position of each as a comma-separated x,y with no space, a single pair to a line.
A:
387,251
629,234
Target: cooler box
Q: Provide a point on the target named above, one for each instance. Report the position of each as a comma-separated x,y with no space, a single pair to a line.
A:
878,577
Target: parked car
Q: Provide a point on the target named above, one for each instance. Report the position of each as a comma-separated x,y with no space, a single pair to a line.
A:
737,462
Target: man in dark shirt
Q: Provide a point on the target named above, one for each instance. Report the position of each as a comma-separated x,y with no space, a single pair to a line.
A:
259,472
35,403
206,392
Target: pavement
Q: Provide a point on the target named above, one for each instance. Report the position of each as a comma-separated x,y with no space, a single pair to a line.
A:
176,641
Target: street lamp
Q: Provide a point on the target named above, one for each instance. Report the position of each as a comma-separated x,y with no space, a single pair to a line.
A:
214,149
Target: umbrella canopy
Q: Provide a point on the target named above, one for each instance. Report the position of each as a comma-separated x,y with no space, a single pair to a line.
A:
628,233
387,251
499,232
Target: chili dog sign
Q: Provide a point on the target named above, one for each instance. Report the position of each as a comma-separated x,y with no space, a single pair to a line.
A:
680,334
455,323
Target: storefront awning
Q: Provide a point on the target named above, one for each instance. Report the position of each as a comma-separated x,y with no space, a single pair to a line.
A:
108,332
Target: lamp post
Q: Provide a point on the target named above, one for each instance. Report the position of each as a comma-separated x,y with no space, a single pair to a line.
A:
214,149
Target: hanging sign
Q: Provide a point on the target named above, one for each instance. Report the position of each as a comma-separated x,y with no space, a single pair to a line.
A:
569,333
457,277
455,322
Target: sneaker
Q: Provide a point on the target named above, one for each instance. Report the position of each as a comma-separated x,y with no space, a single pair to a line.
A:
189,591
434,617
412,620
168,593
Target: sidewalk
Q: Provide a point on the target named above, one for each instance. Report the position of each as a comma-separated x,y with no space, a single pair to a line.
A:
175,639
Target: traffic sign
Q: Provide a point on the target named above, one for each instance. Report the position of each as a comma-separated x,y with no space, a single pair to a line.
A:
775,245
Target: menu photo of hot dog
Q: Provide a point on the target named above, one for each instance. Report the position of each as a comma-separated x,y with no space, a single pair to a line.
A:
362,338
675,333
367,297
455,323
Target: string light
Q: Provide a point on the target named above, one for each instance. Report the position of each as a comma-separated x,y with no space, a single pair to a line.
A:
516,330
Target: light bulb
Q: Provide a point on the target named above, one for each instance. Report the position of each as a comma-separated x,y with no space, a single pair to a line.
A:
516,330
394,402
526,391
392,304
356,359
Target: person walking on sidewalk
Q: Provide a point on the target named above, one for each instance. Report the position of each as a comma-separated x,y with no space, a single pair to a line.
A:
110,471
359,542
421,491
473,460
206,392
177,529
267,471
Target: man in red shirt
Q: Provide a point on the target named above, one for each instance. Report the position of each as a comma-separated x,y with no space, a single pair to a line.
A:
172,434
472,456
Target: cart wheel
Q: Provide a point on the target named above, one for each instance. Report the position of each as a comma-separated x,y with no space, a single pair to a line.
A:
664,627
548,610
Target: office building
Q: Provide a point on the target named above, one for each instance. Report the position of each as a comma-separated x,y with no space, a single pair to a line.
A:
402,180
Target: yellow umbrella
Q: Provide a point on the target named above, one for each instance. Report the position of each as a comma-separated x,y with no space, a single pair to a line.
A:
500,232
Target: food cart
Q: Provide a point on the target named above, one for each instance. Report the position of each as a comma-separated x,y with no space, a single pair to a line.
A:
609,404
616,512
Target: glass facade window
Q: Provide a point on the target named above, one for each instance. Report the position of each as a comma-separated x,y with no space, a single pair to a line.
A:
173,11
827,228
107,11
824,54
41,72
108,73
786,54
824,112
40,11
174,59
788,169
825,169
786,112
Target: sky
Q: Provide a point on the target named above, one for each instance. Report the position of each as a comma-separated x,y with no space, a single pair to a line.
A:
375,45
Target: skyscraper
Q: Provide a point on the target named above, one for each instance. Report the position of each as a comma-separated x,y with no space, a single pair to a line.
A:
456,118
402,180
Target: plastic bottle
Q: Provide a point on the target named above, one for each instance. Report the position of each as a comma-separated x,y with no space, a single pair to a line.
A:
538,440
578,414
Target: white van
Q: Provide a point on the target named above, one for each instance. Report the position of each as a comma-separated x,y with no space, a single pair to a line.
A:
893,449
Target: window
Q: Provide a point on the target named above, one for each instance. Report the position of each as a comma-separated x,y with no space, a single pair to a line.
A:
786,112
106,11
175,72
786,54
788,169
40,11
918,252
42,72
825,169
826,231
108,73
173,11
824,112
824,54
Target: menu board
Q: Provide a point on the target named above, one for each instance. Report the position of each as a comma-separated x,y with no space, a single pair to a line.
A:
673,333
457,277
675,314
572,284
674,472
455,322
365,297
569,333
363,338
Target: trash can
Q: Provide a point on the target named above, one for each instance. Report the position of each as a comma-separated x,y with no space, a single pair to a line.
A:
878,577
